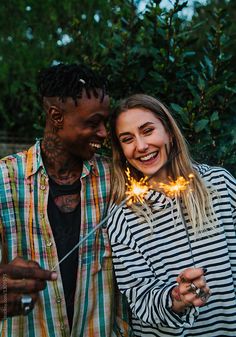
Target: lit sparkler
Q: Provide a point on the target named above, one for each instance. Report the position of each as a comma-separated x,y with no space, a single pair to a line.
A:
175,187
136,192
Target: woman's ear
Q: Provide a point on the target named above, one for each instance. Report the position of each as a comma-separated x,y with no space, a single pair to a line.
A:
56,117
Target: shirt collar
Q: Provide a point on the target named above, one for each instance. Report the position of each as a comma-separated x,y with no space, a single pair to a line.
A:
35,162
90,166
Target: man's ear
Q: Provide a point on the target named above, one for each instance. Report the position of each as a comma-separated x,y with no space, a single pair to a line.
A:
56,117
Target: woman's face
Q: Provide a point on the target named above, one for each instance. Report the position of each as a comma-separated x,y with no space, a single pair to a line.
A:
143,140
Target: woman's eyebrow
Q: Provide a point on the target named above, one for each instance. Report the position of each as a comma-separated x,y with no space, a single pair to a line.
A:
145,124
123,134
140,128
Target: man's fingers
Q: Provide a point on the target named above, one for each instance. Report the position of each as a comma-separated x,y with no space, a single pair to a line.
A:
18,272
15,298
14,307
10,309
33,264
25,286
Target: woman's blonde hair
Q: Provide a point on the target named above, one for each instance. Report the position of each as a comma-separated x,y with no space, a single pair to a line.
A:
198,201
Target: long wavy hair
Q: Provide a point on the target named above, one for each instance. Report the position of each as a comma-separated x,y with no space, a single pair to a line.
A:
198,201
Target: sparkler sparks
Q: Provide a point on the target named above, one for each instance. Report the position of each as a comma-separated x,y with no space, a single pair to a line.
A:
136,190
175,187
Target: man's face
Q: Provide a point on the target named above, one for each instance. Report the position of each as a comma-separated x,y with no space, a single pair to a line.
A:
83,128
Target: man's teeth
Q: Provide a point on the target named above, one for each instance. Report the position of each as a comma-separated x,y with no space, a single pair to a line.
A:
95,145
149,156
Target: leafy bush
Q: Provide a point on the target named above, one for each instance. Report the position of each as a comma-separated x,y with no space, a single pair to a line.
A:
189,65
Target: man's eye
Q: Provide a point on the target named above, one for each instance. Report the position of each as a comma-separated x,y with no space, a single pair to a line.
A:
93,124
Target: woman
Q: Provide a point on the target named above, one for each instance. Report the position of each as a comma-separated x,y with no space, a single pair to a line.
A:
175,254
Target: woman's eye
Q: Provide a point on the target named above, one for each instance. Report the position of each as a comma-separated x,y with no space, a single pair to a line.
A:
147,131
126,140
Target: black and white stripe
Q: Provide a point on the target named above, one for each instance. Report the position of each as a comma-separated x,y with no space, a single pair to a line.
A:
147,262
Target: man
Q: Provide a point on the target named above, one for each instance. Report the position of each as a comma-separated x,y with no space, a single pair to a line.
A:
52,196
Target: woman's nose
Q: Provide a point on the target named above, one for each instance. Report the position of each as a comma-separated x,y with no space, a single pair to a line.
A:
141,145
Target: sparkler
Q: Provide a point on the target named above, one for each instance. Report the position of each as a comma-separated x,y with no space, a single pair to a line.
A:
136,192
186,231
175,187
86,237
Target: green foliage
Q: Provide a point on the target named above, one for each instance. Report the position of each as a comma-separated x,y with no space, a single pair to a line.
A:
189,65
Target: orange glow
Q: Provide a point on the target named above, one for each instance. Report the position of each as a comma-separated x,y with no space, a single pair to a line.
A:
136,190
175,187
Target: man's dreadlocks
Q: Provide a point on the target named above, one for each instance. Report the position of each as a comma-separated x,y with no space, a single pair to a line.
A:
65,81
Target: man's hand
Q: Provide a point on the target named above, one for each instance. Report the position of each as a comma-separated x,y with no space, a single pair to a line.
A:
21,281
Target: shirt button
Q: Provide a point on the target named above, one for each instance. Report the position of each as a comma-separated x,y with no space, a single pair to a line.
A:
58,300
42,187
62,326
49,244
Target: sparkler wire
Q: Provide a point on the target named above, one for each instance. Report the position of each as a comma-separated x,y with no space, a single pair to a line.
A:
90,233
186,231
198,291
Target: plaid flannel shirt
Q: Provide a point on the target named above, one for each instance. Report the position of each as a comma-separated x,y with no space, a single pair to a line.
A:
25,231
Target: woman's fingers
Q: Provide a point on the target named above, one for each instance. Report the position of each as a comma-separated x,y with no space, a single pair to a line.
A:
193,289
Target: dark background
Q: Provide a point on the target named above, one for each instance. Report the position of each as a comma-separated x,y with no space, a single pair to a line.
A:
187,63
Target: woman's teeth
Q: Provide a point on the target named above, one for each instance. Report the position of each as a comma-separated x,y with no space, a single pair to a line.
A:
148,157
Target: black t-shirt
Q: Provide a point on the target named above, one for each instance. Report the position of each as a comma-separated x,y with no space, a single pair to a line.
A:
66,230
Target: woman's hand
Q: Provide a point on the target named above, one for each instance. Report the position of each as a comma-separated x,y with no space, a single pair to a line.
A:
191,291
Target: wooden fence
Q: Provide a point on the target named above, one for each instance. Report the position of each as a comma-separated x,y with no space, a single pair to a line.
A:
9,143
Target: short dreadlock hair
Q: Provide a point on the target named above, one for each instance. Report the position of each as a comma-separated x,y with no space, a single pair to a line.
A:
65,81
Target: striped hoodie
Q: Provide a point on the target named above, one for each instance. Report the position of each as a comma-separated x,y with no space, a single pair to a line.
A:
148,260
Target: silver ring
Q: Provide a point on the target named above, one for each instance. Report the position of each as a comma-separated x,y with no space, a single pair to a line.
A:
199,292
193,288
26,304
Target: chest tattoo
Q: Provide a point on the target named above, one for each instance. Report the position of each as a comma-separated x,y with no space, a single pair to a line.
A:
67,203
